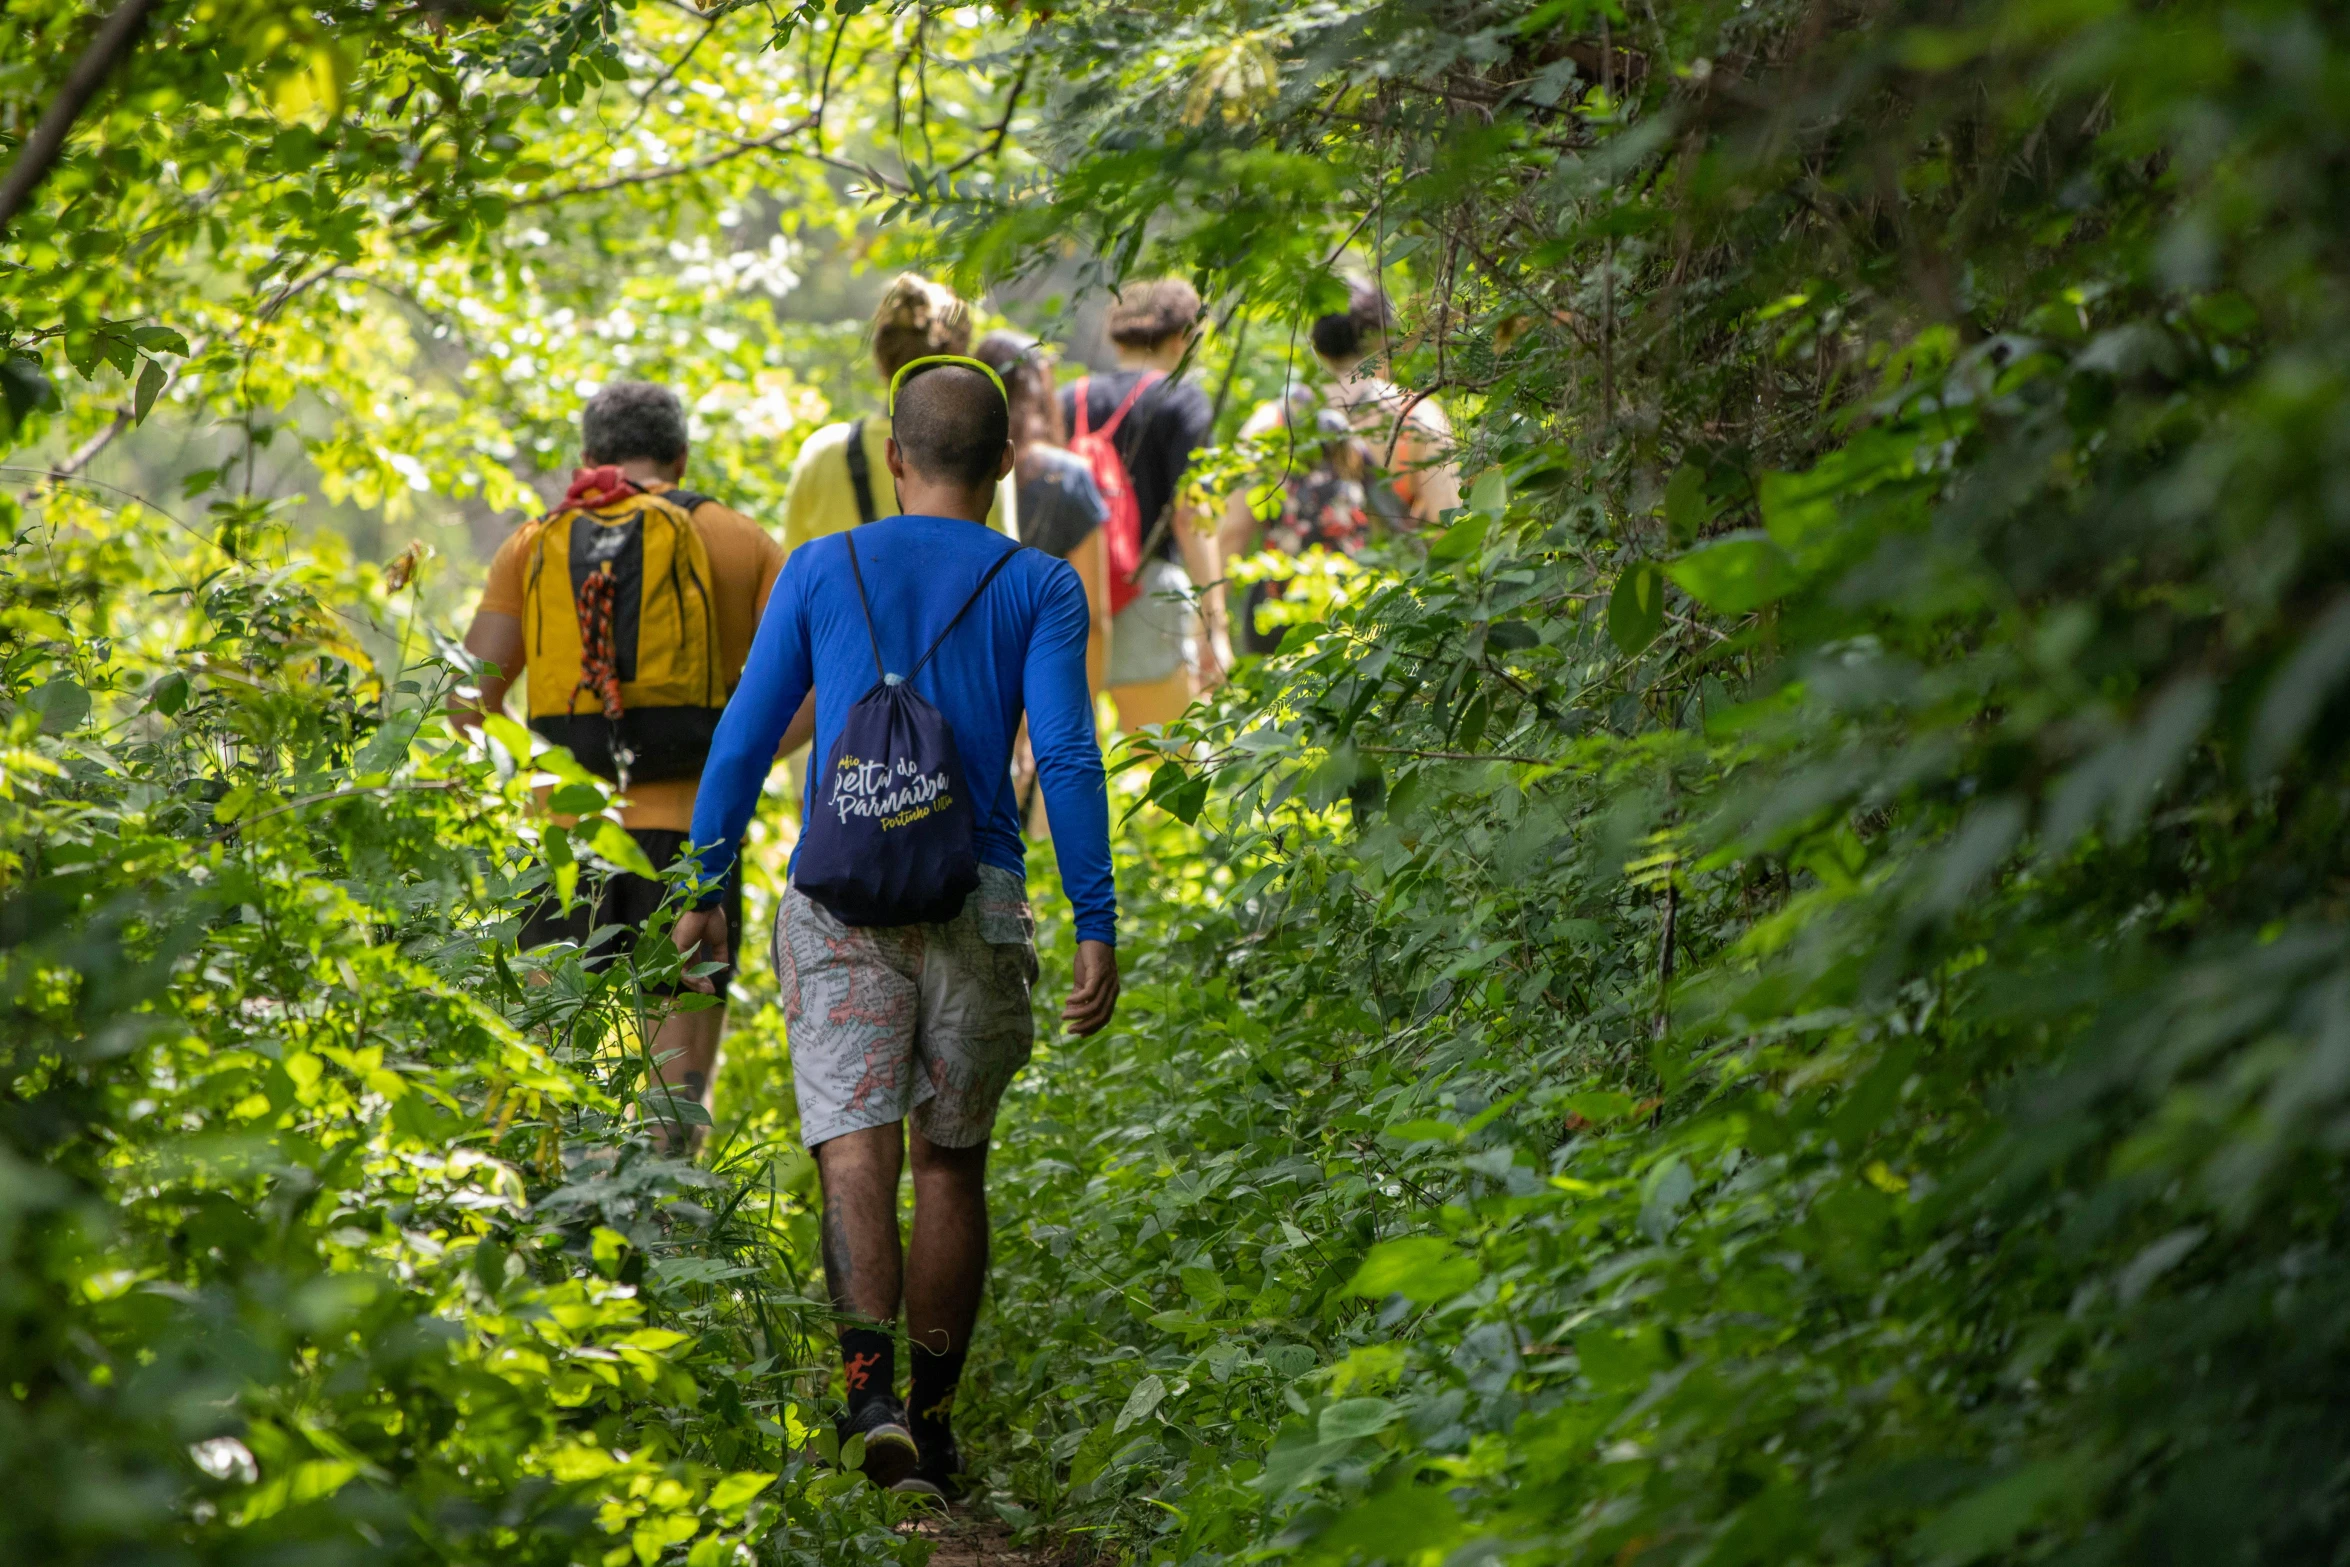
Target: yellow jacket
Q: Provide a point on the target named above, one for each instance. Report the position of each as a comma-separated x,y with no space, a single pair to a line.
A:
822,500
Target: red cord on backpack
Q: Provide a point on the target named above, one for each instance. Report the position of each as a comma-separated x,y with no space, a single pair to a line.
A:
599,656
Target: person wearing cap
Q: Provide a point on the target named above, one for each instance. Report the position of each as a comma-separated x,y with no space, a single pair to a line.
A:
923,1023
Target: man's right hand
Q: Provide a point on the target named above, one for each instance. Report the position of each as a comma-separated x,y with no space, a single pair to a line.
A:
1095,995
706,929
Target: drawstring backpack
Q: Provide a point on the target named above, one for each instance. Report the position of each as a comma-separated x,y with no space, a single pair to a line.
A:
889,839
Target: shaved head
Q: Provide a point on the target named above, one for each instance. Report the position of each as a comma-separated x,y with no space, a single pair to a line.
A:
951,425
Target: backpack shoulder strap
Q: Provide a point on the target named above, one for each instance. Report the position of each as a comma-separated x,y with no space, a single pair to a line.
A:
848,542
1001,561
1082,396
1150,378
860,477
687,501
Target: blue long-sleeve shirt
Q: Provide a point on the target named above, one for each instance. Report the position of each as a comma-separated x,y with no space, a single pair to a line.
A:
1022,645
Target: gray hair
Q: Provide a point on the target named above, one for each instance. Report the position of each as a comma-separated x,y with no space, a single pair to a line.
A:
632,419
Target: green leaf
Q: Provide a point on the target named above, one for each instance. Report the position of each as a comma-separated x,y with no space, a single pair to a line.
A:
1460,541
1185,804
1598,1106
1735,573
614,845
1992,1517
1423,1131
1093,1453
1421,1268
1142,1403
1618,1362
1290,1360
62,704
169,694
150,387
24,387
576,799
1636,609
1687,507
1490,495
160,340
1351,1419
736,1490
1203,1285
510,736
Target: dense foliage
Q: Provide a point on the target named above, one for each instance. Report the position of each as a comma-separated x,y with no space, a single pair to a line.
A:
1777,995
325,1220
1771,993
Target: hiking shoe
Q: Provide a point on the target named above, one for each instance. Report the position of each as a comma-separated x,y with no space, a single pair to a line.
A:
890,1453
939,1474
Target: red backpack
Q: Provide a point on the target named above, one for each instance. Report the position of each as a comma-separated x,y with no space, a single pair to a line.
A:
1122,534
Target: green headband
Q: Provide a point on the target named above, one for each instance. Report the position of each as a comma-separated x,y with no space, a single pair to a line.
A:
980,365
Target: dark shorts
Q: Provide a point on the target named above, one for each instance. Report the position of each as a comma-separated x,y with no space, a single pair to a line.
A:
629,901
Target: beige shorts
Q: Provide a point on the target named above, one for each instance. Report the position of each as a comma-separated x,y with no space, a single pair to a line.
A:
1154,635
920,1022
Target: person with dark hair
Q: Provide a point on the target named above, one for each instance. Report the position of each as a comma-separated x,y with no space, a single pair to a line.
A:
634,440
1345,336
1362,455
1352,345
1152,420
927,1022
1339,483
1061,507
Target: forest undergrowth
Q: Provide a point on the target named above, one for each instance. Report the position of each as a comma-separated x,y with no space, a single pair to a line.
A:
1770,991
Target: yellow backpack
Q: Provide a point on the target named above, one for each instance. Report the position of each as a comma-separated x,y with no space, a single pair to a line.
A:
621,637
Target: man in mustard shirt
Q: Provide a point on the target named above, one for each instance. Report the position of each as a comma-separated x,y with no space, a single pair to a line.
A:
640,430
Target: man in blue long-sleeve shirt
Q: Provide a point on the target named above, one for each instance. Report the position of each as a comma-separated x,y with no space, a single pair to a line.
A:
926,1023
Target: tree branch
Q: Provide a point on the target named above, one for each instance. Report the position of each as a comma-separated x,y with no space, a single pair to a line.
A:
813,121
766,143
1459,756
41,149
1002,129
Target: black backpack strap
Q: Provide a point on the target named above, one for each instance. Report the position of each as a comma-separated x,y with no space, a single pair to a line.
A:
849,542
1001,561
860,472
687,501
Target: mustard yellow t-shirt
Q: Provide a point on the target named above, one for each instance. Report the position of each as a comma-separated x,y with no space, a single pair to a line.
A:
744,563
823,499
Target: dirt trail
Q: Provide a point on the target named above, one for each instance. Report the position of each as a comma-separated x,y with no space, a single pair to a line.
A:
968,1541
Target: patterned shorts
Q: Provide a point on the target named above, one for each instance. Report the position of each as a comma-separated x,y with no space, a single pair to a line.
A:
921,1021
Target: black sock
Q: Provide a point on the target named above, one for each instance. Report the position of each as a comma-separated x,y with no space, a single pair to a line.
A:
869,1357
931,1398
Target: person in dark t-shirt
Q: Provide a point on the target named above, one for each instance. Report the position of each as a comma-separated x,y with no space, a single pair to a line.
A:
1060,508
1157,661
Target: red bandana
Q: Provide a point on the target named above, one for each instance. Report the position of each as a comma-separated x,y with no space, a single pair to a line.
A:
597,487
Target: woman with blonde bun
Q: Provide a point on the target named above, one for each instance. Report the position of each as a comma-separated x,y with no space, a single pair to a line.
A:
832,490
841,477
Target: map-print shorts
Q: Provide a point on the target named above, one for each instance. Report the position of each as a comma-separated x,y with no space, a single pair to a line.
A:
926,1021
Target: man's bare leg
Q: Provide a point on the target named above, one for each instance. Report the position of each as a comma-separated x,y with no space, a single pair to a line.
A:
863,1261
863,1267
685,1055
947,1265
946,1269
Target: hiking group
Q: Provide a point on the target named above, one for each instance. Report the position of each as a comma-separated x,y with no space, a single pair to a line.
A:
1008,548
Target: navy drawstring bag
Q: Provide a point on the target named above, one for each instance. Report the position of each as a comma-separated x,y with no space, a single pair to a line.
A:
889,839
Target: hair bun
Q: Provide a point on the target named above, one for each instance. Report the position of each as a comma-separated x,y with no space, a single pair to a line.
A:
917,317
